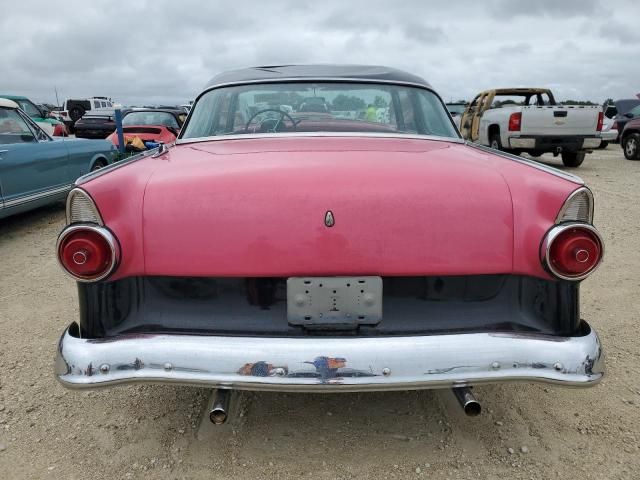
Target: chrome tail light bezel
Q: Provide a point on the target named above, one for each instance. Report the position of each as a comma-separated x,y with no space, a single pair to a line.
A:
93,216
549,238
569,202
106,234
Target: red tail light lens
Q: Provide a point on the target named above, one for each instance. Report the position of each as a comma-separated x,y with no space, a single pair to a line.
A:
515,121
600,121
87,253
573,251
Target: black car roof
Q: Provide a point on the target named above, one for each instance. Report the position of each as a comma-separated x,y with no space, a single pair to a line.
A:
315,72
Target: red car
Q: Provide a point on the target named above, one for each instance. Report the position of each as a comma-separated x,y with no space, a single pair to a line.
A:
630,139
151,125
391,257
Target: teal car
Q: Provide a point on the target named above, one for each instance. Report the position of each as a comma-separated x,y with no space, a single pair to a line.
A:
31,109
36,169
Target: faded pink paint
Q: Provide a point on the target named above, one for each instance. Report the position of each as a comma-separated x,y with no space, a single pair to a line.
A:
256,207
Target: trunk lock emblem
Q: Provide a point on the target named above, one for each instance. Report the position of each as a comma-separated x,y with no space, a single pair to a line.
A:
329,221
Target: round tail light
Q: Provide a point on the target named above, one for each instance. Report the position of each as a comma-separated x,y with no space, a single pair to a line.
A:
88,253
572,251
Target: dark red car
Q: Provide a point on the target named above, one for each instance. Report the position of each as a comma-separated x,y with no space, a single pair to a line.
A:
151,125
630,139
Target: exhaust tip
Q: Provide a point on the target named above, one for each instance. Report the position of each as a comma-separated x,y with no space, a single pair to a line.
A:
220,406
472,409
467,401
218,416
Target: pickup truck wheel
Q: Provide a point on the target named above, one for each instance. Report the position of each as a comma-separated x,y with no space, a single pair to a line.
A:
603,145
495,143
573,159
631,146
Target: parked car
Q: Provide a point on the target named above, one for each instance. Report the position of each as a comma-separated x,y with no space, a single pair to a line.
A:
35,169
609,133
151,125
390,257
96,124
630,139
529,120
49,124
74,109
622,111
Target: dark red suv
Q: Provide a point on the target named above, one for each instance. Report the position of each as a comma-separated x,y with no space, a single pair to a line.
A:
630,139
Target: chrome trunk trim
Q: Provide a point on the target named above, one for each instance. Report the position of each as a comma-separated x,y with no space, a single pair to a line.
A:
530,163
249,136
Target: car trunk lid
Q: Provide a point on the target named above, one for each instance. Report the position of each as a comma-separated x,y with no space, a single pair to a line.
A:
259,208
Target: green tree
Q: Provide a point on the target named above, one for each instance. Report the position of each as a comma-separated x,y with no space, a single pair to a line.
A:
578,102
380,102
347,102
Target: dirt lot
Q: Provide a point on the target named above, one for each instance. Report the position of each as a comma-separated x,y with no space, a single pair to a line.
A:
525,431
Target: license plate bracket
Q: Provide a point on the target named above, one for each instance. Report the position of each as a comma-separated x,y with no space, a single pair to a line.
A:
324,302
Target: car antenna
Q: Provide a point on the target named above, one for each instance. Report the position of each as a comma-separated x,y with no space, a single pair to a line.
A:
55,89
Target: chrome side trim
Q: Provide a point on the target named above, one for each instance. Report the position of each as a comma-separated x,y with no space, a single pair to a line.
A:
106,234
545,248
36,196
530,163
162,149
329,364
567,203
114,166
318,134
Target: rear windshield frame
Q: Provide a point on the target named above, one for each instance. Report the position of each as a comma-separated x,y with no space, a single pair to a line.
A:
457,138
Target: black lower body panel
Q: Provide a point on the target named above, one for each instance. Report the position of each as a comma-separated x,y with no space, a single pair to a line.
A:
257,306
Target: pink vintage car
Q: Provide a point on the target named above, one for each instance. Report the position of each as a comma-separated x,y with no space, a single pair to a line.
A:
364,247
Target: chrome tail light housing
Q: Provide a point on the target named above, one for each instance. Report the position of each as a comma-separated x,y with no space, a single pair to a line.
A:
572,251
87,251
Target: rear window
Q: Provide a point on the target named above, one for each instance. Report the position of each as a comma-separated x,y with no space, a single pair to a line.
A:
85,104
625,106
150,118
318,107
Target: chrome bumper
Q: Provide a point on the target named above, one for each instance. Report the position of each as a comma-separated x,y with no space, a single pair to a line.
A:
330,364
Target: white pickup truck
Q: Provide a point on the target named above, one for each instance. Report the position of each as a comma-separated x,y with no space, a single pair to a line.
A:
529,120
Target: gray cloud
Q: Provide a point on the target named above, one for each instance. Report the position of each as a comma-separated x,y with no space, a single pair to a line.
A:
623,33
545,8
165,51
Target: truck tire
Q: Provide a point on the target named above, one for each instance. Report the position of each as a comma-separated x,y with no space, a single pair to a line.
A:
631,146
76,113
573,159
494,142
603,145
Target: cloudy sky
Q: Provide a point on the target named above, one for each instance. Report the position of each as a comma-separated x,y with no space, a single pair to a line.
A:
165,51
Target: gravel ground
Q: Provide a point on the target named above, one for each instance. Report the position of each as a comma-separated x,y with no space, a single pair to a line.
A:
148,431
